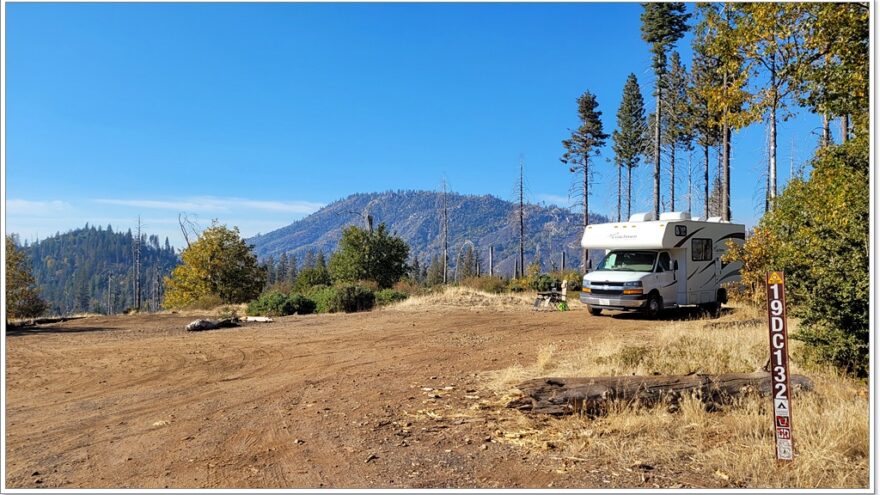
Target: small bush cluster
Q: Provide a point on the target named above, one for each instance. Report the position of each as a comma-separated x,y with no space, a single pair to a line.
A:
342,298
354,298
389,296
280,304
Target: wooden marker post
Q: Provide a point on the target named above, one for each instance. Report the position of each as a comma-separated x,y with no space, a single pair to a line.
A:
781,385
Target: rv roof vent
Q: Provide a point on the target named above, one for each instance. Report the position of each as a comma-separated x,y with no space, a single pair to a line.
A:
714,219
641,217
675,215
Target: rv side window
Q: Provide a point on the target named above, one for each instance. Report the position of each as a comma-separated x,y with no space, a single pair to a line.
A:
701,250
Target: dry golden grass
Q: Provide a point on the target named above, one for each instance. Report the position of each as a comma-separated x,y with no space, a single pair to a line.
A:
465,298
732,447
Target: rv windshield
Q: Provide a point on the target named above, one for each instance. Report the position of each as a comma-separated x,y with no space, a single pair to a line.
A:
628,261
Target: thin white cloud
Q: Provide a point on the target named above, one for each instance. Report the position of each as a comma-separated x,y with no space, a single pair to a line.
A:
164,205
33,208
211,204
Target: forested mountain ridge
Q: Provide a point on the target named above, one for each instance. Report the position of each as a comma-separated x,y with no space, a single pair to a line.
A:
416,216
73,270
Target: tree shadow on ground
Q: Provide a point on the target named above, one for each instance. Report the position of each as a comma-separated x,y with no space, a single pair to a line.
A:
20,331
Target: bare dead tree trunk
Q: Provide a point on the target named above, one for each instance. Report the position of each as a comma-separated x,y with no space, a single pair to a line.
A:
586,254
445,236
109,294
690,172
629,187
657,124
491,261
522,228
672,178
706,180
826,130
619,190
137,268
182,221
771,186
725,207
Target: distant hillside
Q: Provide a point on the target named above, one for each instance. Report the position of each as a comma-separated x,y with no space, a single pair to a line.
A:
73,269
415,216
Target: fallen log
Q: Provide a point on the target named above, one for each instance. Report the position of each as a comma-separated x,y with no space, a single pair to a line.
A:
591,396
259,319
199,325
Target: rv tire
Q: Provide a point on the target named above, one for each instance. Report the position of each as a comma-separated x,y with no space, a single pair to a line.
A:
654,306
712,309
595,311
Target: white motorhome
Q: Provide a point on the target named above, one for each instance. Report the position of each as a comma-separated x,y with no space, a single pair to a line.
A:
652,264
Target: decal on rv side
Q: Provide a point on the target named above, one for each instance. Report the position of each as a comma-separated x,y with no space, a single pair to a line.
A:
620,235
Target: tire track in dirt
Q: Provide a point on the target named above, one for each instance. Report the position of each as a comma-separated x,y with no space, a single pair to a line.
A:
302,402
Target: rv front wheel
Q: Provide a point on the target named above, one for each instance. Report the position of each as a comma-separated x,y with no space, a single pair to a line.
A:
654,306
712,309
595,311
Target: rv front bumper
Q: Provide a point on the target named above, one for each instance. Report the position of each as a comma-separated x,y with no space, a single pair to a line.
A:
615,302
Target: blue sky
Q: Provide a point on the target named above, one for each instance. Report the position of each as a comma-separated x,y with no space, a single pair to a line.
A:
258,114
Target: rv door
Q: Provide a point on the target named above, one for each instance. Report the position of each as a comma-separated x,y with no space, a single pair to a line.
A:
666,282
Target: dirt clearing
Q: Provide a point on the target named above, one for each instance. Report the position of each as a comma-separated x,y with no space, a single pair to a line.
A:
392,398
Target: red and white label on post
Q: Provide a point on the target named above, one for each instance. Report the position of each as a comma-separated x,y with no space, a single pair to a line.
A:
780,383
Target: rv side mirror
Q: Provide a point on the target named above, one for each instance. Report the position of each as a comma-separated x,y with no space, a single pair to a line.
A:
675,265
589,265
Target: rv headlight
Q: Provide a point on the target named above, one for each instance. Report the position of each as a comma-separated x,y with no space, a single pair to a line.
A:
633,284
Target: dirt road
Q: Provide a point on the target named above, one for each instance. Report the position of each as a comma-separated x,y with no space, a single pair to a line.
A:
307,401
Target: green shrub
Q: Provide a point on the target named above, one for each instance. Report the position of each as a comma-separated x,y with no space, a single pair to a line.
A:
353,298
818,234
324,298
301,304
542,283
270,304
279,304
388,296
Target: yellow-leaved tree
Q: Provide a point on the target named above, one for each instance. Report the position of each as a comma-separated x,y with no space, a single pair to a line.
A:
218,268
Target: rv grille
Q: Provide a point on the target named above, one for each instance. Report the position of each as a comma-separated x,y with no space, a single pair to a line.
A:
606,292
606,288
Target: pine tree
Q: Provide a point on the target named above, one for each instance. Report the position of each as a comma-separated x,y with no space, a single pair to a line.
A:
281,268
467,263
663,24
434,276
705,76
271,270
629,138
585,141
